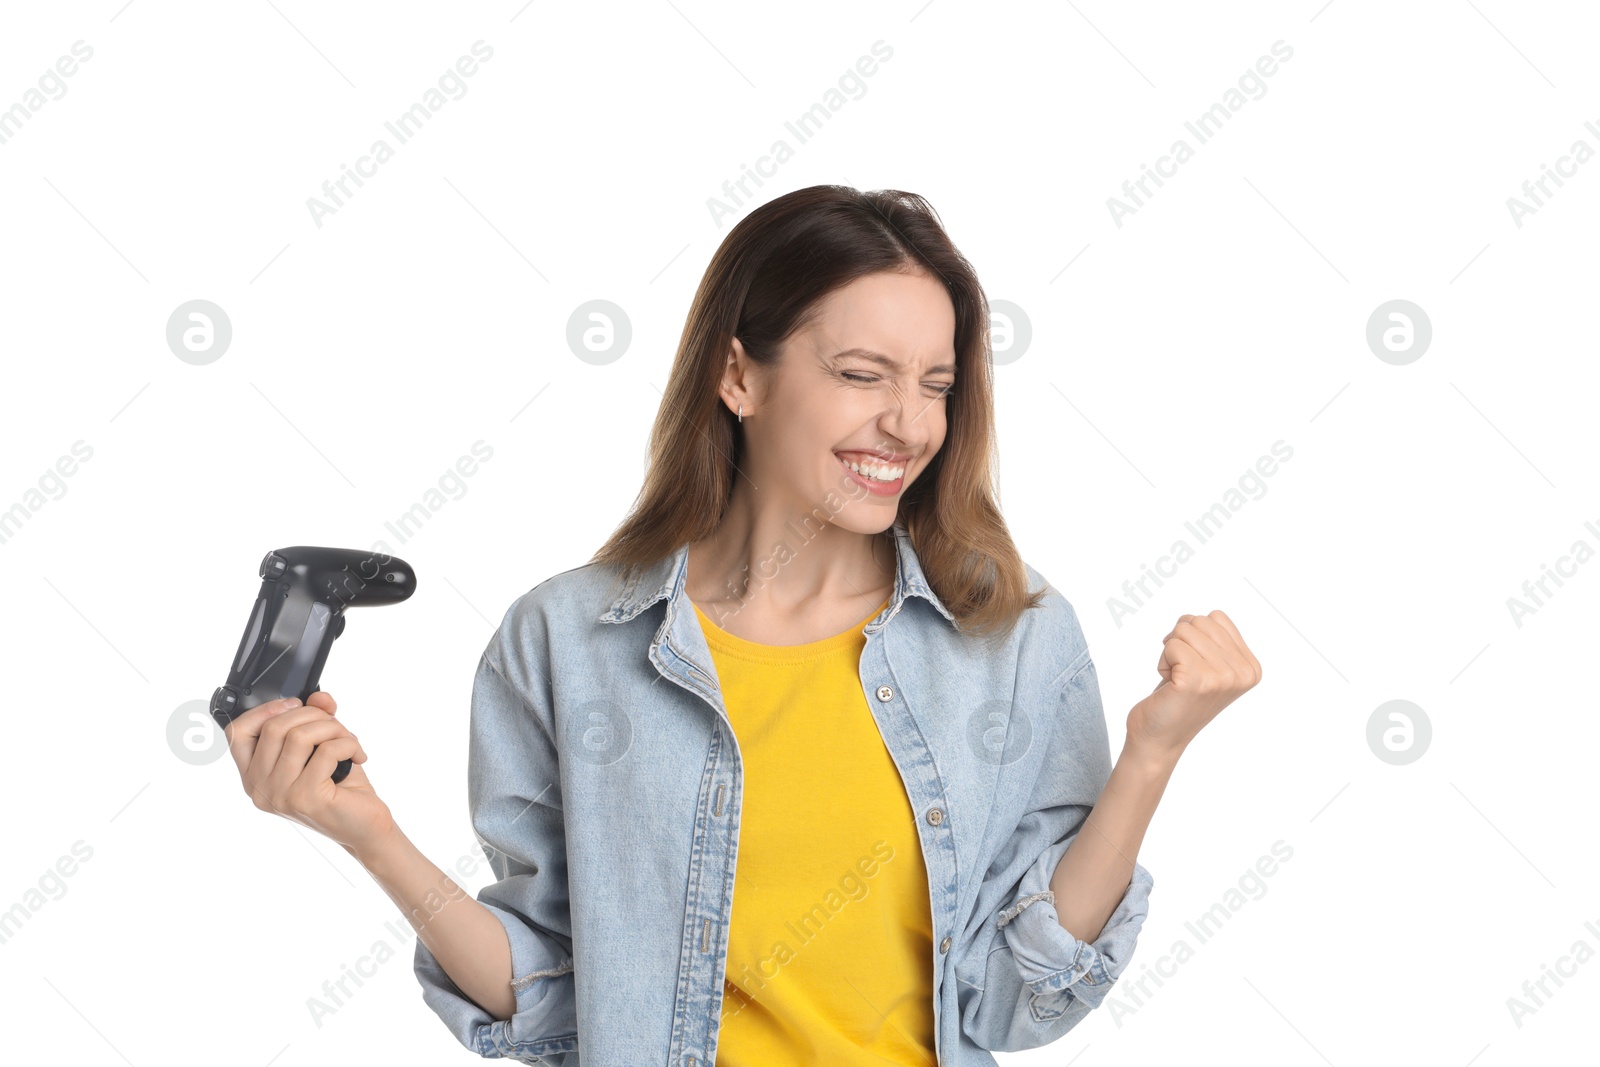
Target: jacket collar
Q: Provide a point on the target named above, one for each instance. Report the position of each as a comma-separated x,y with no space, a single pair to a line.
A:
664,580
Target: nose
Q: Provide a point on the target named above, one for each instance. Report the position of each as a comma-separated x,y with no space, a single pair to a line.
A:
904,420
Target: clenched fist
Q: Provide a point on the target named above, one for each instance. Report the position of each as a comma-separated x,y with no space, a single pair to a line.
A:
1204,666
286,752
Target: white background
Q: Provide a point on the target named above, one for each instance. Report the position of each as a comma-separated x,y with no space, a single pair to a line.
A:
1168,354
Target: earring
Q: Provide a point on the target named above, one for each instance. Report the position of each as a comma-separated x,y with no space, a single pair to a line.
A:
741,412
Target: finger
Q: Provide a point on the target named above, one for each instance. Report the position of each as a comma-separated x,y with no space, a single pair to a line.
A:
356,778
1217,663
324,701
1189,632
297,750
243,732
1181,618
1220,617
1222,620
319,769
1176,652
269,744
1207,638
1223,655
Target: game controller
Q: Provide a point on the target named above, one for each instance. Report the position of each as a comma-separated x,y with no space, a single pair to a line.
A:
297,615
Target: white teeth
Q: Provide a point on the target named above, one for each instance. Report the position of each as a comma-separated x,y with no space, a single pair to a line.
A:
878,472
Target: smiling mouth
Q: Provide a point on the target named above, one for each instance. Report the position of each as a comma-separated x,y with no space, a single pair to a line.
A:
872,469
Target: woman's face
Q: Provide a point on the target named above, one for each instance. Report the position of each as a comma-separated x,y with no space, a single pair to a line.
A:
863,385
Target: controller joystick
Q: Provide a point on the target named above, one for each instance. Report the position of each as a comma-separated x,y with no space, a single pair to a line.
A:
298,613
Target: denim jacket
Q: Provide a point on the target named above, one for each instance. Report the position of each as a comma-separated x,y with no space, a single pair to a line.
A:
605,786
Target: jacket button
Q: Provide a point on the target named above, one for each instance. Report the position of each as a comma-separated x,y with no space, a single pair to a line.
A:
944,946
935,816
885,692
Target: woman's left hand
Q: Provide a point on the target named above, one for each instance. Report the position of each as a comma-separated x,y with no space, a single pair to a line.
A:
1204,666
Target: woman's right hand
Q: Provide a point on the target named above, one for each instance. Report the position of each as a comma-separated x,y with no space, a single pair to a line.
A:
272,742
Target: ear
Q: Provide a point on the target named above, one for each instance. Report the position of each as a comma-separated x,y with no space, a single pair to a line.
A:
739,376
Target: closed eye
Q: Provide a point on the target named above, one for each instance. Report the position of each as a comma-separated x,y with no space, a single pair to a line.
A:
940,388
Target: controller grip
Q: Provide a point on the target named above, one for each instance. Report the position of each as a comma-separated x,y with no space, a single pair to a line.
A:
298,613
344,766
225,708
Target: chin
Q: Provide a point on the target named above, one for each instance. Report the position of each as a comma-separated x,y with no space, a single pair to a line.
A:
867,517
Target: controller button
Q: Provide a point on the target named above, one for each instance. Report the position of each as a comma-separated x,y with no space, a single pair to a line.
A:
273,566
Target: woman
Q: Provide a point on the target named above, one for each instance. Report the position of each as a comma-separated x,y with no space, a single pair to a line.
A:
847,829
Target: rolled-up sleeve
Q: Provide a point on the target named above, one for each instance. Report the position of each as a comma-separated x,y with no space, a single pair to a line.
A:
515,800
1026,980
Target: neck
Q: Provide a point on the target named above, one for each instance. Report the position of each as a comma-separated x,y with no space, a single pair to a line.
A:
786,559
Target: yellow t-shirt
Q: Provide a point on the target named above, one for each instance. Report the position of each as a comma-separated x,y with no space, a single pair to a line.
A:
830,951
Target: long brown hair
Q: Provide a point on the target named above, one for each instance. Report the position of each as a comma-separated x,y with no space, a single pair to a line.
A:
766,281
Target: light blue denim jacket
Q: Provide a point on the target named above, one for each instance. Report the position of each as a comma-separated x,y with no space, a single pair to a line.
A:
605,785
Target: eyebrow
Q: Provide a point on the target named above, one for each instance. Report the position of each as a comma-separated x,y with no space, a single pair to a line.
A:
884,361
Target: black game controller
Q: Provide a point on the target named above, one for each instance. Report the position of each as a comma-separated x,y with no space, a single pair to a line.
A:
297,615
